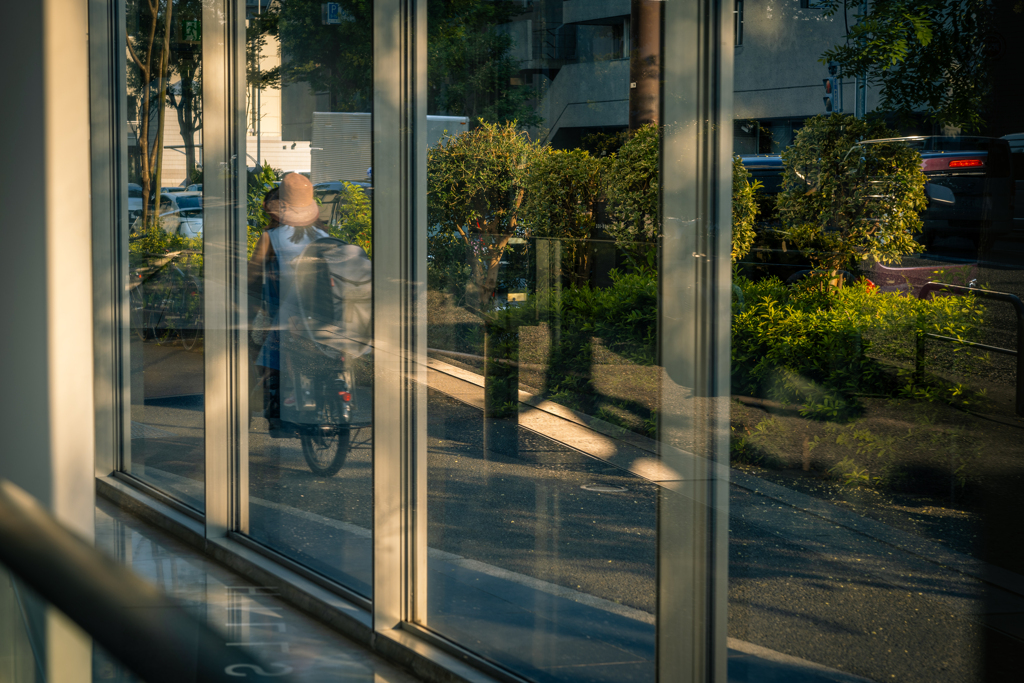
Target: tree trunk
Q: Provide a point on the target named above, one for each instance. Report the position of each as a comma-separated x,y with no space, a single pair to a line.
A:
501,386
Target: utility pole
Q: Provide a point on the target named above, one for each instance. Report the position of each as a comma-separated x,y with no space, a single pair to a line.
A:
860,106
645,20
259,90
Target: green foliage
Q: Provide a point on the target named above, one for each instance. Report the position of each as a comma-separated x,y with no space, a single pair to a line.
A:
476,184
448,268
471,70
624,316
823,348
354,218
843,202
563,188
633,186
744,209
336,59
147,250
850,474
259,183
926,55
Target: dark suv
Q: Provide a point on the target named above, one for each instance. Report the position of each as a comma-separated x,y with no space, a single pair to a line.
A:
978,172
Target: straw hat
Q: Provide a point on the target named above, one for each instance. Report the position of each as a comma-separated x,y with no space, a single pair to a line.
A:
295,205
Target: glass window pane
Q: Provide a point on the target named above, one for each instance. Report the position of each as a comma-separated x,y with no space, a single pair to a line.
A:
309,68
876,418
541,334
165,247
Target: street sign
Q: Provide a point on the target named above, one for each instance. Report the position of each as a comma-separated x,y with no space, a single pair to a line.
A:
330,13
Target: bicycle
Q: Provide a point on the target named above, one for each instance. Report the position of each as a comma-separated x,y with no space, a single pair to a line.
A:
166,301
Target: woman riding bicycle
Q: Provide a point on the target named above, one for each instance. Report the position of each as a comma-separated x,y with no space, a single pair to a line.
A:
294,215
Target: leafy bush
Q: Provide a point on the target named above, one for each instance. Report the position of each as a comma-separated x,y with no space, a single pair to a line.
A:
476,186
624,316
155,241
744,209
633,186
259,183
354,222
563,190
821,348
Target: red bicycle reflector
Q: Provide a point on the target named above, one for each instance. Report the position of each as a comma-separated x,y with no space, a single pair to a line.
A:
967,163
345,396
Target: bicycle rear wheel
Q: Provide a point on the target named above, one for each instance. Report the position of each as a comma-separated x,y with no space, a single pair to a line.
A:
325,445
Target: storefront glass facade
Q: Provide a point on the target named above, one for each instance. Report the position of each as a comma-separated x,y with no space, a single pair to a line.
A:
466,313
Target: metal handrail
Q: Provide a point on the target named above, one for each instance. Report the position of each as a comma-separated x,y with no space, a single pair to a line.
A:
1005,297
137,624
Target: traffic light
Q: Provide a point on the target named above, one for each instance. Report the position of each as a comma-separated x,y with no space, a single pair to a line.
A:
831,97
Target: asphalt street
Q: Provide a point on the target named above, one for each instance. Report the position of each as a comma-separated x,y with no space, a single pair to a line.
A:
799,584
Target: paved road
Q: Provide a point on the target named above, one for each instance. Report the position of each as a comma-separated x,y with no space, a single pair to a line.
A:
799,584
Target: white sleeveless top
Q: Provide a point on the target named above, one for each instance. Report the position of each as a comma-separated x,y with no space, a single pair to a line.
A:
286,251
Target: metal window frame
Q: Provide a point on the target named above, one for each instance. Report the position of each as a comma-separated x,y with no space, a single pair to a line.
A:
224,277
399,313
108,130
694,340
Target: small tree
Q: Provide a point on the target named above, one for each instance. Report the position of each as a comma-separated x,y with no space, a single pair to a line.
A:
476,189
844,202
477,185
633,187
744,209
565,187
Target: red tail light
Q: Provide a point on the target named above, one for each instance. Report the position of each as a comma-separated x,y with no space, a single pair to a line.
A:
345,396
942,164
967,163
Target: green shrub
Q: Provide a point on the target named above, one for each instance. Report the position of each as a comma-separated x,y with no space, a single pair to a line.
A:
563,188
624,316
822,348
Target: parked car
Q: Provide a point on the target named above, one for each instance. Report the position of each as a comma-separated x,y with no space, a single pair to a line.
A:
180,212
977,172
134,202
328,194
190,210
197,187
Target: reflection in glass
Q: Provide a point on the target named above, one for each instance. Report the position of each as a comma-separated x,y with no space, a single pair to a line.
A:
541,335
876,416
164,241
310,277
